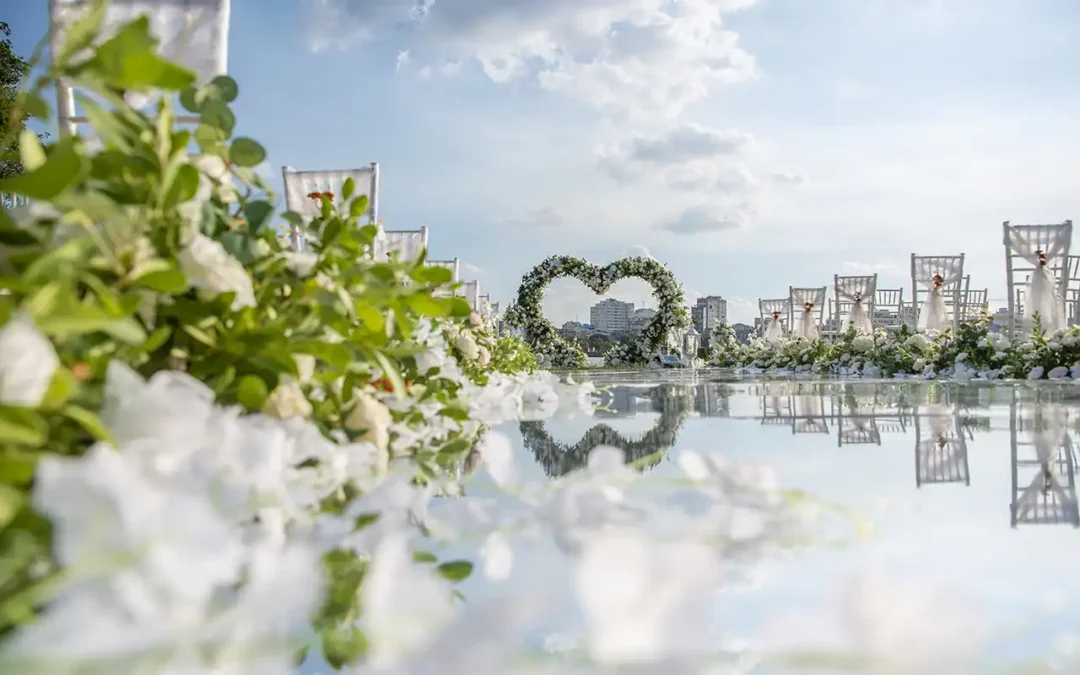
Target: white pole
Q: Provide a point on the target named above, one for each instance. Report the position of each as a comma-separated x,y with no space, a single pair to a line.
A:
65,97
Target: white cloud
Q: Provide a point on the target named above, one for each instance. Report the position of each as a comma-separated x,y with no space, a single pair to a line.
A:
640,58
638,250
473,269
870,268
788,178
547,216
402,60
705,220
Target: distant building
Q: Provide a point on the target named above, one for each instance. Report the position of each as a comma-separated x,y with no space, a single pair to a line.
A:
611,315
573,325
909,315
708,312
999,320
640,318
742,332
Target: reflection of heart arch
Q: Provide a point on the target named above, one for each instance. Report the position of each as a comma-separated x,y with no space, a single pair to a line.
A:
558,459
527,313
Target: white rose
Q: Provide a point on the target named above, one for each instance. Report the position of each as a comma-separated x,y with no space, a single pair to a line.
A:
209,267
305,365
475,319
484,356
287,400
1059,373
301,262
218,172
28,362
468,346
371,416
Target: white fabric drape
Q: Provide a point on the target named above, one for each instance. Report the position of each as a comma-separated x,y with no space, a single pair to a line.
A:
859,291
936,275
774,312
299,184
1044,247
1049,434
807,302
406,243
194,33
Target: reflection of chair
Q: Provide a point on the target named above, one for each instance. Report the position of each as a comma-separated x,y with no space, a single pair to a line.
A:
712,400
940,457
776,405
858,427
809,413
891,424
1046,492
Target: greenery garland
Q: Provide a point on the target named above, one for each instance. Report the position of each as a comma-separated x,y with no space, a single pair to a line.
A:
553,351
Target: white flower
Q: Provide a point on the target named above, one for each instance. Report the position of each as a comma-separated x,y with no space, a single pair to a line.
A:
215,168
484,357
1059,373
209,266
301,262
962,356
287,400
863,343
28,362
1036,373
475,319
305,366
371,416
467,344
918,342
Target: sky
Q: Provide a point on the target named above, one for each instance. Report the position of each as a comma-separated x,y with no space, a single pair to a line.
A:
749,145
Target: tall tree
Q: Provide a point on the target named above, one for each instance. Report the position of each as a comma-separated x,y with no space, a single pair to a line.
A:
12,70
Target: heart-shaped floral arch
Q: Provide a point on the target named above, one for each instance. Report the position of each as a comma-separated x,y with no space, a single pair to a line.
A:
553,351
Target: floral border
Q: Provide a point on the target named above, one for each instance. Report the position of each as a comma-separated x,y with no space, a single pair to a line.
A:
553,351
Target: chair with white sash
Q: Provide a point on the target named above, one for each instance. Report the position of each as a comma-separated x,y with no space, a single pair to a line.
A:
774,318
806,312
303,190
406,244
454,265
1038,254
854,306
937,289
193,33
470,290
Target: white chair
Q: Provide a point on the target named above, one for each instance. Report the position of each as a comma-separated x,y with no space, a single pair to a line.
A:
194,34
888,308
855,302
1044,465
806,311
407,244
470,290
454,265
926,273
770,308
975,301
299,184
1040,255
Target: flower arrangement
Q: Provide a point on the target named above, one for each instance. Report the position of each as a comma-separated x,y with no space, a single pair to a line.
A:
724,349
973,351
553,351
319,196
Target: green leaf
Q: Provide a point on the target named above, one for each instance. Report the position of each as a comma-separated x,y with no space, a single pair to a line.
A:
425,305
424,557
226,88
246,152
390,372
343,645
455,570
81,33
61,389
18,467
64,260
358,206
11,502
22,426
159,275
83,319
252,392
126,330
372,318
189,100
217,115
156,340
32,104
348,188
199,335
433,274
30,150
258,213
184,186
90,422
62,169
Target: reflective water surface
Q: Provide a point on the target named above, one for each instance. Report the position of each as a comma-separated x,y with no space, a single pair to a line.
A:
969,489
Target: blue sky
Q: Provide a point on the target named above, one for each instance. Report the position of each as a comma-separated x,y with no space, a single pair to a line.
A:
748,144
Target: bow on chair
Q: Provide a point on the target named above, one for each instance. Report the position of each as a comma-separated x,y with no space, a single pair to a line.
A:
776,316
1041,255
939,280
